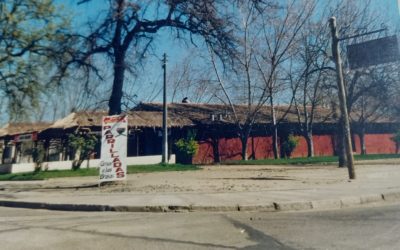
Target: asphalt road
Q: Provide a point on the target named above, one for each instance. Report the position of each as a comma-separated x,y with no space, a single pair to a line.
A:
361,228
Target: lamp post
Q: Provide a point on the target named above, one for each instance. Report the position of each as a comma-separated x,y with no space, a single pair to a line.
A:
164,158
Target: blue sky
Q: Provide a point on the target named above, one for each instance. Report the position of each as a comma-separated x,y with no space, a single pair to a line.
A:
88,11
176,51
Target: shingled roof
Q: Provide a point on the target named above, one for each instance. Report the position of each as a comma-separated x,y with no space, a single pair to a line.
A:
23,128
202,113
135,119
179,115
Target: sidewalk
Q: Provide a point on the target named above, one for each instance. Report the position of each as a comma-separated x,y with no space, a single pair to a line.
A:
215,188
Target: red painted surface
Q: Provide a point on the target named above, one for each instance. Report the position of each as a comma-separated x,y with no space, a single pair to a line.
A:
376,144
230,148
262,148
301,149
357,144
380,144
323,145
205,153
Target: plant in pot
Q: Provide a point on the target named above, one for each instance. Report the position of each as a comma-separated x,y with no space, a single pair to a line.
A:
186,148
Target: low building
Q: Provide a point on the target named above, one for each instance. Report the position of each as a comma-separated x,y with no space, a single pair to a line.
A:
18,139
144,137
217,131
214,125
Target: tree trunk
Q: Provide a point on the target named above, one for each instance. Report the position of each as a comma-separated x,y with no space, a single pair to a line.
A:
116,95
215,145
244,147
362,142
310,144
275,147
253,149
341,146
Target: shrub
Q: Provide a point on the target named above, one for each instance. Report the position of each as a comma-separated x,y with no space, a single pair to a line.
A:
396,139
84,145
187,148
289,145
38,155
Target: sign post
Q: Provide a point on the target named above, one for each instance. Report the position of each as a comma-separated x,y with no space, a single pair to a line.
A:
373,52
113,148
342,98
362,55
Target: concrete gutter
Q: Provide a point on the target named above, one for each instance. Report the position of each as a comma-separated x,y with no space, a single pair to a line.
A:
214,189
345,202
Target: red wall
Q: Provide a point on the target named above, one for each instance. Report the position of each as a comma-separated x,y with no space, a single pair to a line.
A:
323,145
376,144
230,148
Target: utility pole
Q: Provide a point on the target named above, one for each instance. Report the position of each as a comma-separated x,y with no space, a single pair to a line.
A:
342,98
164,158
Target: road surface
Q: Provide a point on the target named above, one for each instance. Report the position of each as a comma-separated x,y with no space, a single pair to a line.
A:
360,228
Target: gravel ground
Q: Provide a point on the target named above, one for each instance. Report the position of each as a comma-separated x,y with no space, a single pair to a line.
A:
213,179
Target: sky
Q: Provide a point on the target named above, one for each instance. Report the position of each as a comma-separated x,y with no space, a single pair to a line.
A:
175,50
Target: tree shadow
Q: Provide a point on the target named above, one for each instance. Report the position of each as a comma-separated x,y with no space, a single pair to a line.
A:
151,239
263,241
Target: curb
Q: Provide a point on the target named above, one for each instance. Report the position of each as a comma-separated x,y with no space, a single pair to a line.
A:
346,202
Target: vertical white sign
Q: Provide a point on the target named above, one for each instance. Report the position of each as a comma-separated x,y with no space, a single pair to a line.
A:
113,148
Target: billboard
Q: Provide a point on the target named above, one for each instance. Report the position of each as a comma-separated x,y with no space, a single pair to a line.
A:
113,148
373,52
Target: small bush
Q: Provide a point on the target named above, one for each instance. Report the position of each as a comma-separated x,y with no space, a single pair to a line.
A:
84,144
289,145
38,156
187,148
396,139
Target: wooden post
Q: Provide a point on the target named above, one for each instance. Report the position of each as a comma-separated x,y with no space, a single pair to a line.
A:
342,98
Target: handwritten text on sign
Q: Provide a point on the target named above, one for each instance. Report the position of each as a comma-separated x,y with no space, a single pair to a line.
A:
113,148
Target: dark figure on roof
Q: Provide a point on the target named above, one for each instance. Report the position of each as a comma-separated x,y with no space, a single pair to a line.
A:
185,100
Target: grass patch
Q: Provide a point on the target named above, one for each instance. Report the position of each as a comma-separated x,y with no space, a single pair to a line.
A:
43,175
376,157
308,161
292,161
134,169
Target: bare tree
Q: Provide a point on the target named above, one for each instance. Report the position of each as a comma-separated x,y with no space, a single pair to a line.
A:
310,73
355,17
244,87
190,78
129,28
60,100
281,33
373,101
267,33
